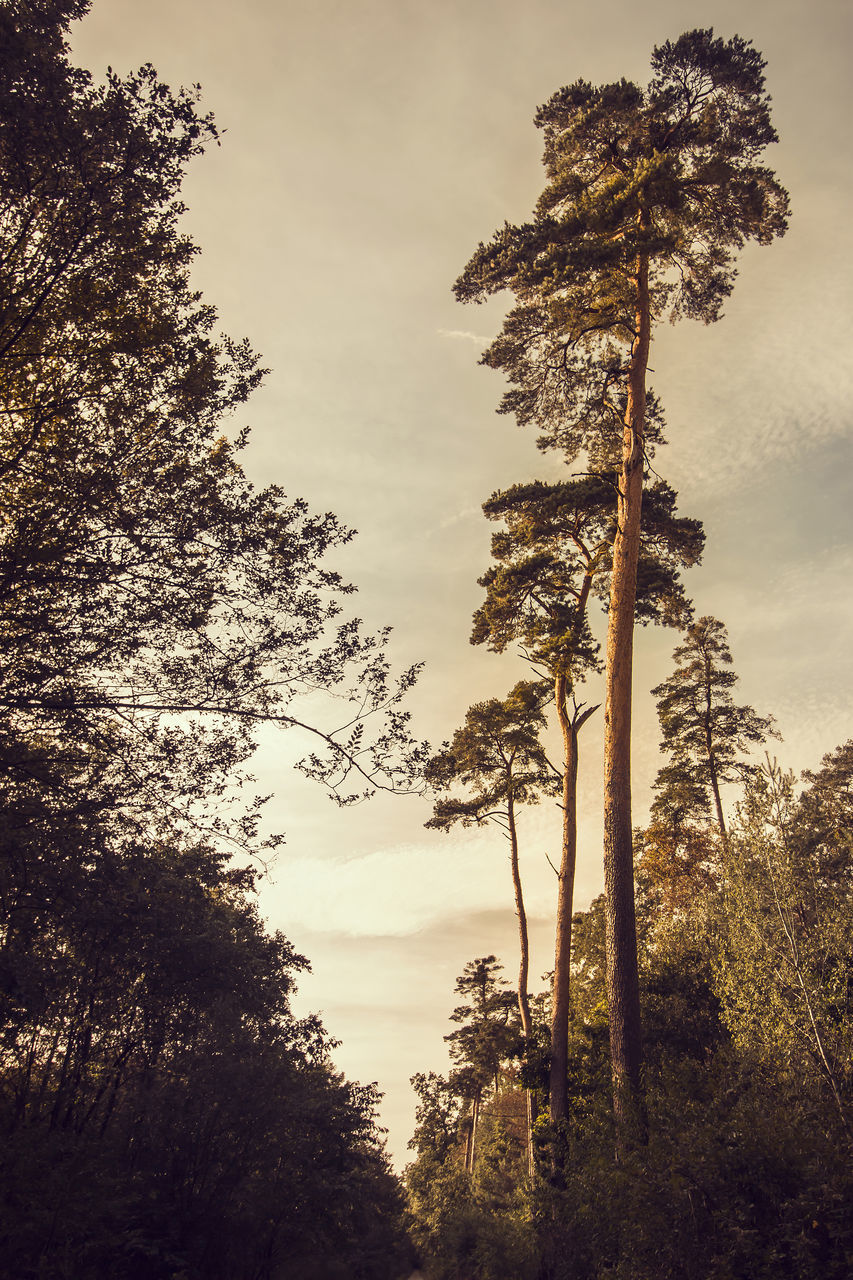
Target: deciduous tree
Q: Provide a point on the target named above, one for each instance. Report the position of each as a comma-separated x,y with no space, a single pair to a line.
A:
143,580
164,1112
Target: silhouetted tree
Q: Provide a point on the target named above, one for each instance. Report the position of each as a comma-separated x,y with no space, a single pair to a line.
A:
143,580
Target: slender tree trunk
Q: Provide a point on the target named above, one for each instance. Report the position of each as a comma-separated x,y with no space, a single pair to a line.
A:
623,992
469,1142
524,963
558,1084
521,916
470,1149
712,758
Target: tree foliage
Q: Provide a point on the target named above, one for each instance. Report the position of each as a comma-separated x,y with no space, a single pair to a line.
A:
164,1113
669,174
468,1214
786,968
487,1030
745,976
163,1110
496,756
704,733
142,577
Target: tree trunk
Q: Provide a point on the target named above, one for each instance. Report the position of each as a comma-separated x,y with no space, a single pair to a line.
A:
524,963
558,1084
712,758
470,1150
521,916
623,994
558,1087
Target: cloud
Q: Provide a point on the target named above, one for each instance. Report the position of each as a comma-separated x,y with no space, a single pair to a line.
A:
459,516
390,892
402,890
466,335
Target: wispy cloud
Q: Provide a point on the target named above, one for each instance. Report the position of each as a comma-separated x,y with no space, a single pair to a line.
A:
458,517
466,335
399,891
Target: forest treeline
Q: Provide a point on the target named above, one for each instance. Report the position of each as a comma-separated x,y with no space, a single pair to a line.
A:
677,1101
746,983
164,1114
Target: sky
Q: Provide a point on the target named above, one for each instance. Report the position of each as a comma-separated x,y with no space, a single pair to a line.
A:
368,146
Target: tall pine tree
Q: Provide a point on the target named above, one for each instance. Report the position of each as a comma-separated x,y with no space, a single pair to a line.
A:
704,733
553,554
651,192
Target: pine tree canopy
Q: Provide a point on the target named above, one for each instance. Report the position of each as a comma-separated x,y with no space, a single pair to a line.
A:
668,175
